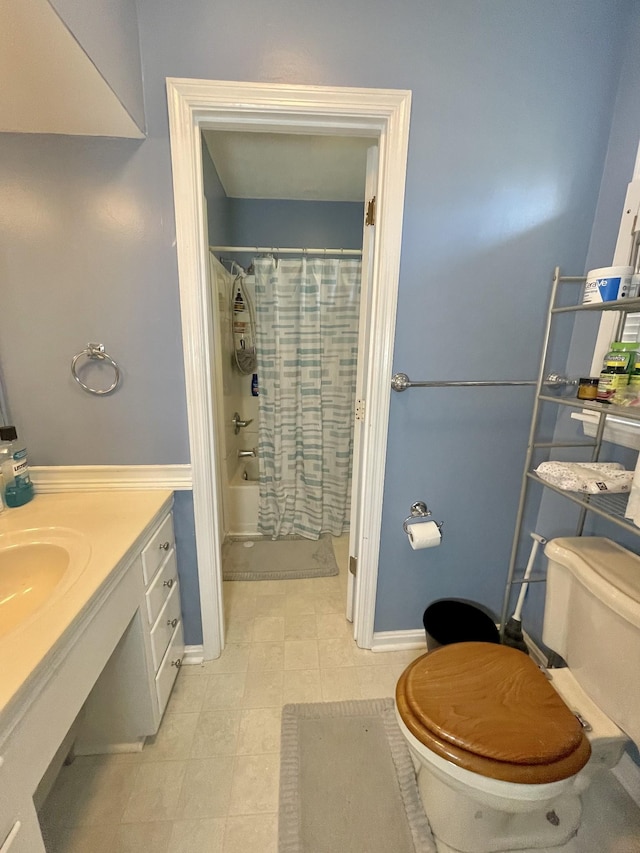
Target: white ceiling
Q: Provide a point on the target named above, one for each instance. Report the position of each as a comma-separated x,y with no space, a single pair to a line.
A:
289,166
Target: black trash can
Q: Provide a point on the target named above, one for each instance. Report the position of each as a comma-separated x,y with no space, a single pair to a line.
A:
456,620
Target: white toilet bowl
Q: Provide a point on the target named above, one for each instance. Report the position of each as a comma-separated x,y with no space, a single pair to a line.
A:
475,813
500,755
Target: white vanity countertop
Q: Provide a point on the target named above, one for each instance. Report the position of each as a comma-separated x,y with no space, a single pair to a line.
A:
115,525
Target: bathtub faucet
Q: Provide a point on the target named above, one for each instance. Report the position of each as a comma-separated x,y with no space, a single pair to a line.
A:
238,422
247,454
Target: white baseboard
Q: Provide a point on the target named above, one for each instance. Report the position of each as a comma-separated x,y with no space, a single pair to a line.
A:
100,478
193,655
397,641
111,748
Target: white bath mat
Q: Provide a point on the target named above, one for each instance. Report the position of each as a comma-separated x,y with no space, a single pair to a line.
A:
279,559
347,782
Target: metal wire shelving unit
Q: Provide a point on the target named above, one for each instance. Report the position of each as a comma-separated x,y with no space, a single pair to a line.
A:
610,507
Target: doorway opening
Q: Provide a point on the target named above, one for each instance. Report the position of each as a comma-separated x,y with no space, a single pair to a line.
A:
379,115
286,225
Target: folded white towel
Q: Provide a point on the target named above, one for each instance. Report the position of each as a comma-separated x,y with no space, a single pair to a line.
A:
591,478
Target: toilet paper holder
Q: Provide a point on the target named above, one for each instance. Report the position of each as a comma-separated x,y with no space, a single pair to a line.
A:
420,512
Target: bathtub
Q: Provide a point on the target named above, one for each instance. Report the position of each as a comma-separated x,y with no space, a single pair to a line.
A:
243,493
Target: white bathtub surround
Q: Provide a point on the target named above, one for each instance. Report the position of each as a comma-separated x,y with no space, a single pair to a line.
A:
242,497
232,391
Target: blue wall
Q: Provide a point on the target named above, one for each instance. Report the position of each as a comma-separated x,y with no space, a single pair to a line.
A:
557,516
318,224
621,152
512,106
218,205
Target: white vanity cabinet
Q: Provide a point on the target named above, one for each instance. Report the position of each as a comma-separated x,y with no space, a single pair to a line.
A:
118,715
164,615
23,836
103,659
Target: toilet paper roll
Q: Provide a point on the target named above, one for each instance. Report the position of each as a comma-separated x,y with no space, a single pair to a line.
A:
423,534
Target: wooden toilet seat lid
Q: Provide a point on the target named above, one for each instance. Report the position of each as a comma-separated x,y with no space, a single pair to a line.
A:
487,704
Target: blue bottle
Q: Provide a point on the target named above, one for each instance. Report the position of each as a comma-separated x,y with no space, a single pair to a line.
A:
17,488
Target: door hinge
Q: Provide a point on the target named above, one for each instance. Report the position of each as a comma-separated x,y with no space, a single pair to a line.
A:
353,565
370,218
360,406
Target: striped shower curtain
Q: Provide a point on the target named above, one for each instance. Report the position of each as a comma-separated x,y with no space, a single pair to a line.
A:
307,342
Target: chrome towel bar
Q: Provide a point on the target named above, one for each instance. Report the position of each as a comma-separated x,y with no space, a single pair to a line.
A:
400,382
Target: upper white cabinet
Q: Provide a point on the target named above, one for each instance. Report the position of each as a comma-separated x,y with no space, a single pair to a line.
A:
70,67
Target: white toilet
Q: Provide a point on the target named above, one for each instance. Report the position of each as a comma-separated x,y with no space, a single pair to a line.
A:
501,751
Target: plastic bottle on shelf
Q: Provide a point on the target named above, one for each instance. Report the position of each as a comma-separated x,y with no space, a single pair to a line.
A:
17,488
618,364
254,385
634,378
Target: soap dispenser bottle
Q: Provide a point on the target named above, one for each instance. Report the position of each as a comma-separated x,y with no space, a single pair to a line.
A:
17,488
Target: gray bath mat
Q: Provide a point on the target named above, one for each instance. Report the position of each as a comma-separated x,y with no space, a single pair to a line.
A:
347,782
277,559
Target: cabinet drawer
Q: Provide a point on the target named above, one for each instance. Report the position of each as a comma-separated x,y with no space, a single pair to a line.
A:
165,625
157,548
161,586
169,667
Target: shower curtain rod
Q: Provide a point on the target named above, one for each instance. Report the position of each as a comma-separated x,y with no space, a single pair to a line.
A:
276,250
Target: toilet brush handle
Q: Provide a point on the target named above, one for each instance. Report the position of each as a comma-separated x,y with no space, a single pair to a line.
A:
537,541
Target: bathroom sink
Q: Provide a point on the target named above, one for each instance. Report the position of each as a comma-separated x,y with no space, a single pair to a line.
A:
36,567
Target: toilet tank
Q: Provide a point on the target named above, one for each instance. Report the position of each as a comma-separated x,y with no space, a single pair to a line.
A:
592,619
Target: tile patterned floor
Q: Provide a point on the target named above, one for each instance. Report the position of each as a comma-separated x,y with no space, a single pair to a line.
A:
209,780
208,783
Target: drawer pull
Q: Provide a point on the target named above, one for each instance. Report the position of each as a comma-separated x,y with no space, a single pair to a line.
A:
169,583
172,622
164,546
8,842
177,663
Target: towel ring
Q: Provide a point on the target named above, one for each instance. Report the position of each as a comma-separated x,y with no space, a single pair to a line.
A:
95,351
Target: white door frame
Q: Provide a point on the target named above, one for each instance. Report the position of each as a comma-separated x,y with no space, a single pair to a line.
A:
382,114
